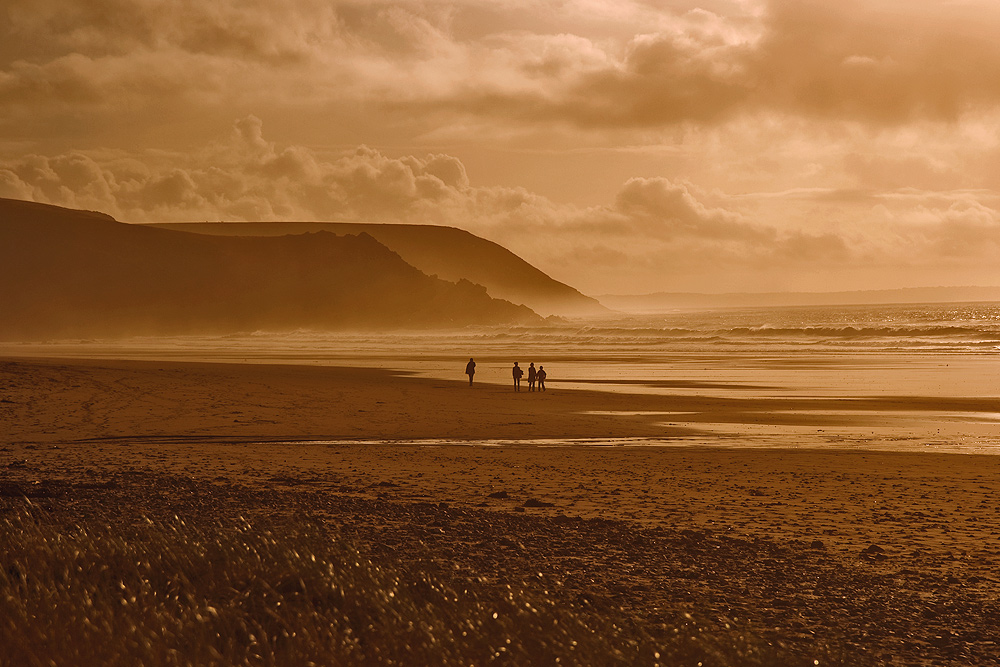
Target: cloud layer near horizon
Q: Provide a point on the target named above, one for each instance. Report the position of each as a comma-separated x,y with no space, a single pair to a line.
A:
654,227
795,143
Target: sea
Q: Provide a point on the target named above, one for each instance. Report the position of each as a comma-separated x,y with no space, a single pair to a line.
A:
936,350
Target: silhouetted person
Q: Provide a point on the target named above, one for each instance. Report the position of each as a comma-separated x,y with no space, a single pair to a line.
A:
531,376
541,378
470,370
517,373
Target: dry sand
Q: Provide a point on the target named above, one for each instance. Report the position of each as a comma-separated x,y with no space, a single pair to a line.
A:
891,554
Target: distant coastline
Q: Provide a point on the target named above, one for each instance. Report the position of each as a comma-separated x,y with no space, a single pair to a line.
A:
666,301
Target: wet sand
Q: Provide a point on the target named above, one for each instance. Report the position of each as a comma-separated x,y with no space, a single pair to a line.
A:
58,399
891,554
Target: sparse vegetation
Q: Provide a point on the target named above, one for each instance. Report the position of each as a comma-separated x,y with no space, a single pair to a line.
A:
239,594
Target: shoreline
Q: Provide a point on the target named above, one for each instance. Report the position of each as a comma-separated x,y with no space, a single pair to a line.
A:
51,399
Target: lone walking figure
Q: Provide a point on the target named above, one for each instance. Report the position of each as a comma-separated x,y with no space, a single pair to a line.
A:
470,369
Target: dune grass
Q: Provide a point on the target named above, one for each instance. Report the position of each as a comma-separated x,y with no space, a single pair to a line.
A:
233,593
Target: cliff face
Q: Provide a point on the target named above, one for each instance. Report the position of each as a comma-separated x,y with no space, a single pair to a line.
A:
76,273
450,253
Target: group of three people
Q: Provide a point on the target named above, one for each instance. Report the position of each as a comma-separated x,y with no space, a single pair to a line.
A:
533,375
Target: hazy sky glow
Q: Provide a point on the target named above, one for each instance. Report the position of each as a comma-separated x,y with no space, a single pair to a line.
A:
620,145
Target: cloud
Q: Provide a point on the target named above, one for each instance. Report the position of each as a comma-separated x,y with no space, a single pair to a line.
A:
427,65
669,210
248,177
882,62
12,187
929,228
656,233
888,172
252,29
886,61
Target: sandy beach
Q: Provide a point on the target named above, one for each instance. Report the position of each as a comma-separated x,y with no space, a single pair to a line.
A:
890,555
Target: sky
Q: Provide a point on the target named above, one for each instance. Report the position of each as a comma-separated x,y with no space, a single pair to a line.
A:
621,146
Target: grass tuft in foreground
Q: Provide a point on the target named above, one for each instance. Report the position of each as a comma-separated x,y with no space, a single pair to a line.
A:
238,594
